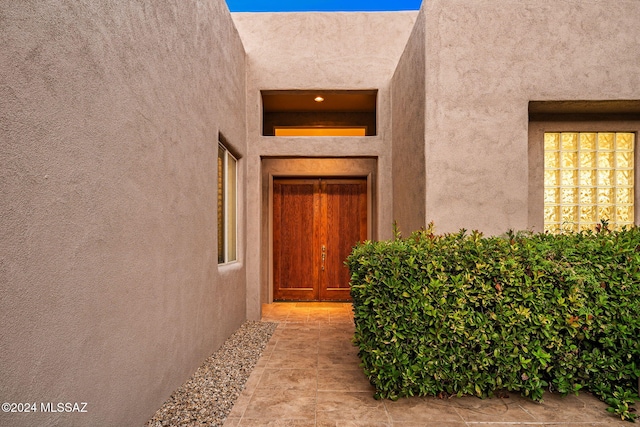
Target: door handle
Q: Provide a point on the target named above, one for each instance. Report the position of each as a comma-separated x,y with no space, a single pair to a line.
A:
324,255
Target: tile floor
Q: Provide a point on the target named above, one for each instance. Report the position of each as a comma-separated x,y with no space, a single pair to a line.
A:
309,376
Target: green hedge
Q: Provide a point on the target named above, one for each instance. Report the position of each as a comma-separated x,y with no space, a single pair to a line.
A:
463,314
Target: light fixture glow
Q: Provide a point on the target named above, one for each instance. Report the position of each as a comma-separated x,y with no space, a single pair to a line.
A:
318,99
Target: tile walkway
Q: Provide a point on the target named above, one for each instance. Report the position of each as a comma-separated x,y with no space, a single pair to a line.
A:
309,376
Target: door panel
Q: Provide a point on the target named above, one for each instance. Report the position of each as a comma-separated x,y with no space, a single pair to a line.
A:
295,273
316,223
345,225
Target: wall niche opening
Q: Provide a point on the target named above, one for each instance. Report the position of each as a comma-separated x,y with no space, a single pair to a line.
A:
319,112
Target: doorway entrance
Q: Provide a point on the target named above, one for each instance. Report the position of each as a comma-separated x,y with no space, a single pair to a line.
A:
316,223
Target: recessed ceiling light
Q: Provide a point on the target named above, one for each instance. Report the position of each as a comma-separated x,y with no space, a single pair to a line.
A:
318,99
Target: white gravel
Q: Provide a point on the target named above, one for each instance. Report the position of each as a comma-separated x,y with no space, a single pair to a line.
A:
208,396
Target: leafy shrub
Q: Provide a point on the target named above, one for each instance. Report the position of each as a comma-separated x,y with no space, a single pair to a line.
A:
463,314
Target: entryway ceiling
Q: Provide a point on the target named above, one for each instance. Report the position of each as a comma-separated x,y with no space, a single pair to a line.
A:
304,100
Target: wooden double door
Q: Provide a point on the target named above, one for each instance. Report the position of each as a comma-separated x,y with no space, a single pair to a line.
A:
316,223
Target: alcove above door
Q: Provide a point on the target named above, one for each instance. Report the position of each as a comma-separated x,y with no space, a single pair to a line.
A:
319,112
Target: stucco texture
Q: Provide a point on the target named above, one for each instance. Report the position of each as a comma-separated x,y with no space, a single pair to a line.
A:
485,60
408,124
109,121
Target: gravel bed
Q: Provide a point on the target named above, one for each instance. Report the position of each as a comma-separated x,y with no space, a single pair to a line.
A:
208,396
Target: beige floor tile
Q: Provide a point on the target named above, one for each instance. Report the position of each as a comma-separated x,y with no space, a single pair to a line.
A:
313,304
273,318
558,424
490,410
319,310
346,351
513,424
341,319
421,410
312,326
309,345
294,359
277,422
338,379
241,404
297,318
322,317
231,421
273,311
278,332
270,348
540,424
330,337
270,404
299,326
274,315
328,360
555,408
339,327
344,344
253,380
262,362
440,424
350,406
341,354
295,335
300,331
323,422
297,379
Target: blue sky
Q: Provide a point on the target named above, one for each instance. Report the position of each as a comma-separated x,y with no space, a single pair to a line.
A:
321,5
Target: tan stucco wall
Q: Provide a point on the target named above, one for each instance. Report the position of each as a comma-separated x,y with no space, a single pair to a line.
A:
484,61
109,119
317,51
408,118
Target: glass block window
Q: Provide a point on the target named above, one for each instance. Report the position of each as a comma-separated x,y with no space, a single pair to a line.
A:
227,196
588,177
